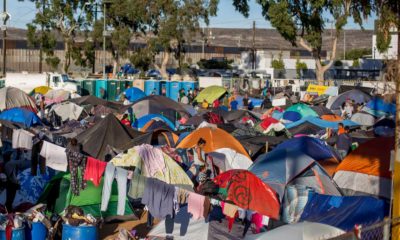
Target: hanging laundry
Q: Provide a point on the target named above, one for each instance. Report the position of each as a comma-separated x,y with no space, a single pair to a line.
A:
196,205
229,210
207,207
56,158
152,158
121,174
136,188
129,159
159,198
94,170
77,164
22,139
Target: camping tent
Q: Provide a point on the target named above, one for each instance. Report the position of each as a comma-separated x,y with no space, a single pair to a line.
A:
378,104
67,111
56,96
364,119
158,105
299,231
226,159
88,100
344,212
321,123
210,94
15,98
58,195
366,170
141,122
215,139
158,137
358,96
302,109
20,116
134,94
40,90
109,132
282,167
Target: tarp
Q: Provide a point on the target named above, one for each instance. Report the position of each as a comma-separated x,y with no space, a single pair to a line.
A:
134,94
58,195
306,128
246,190
299,231
226,159
331,118
159,137
56,96
109,132
344,212
215,139
141,122
67,111
280,167
321,110
88,100
22,117
379,104
210,94
321,123
158,105
356,95
255,101
11,97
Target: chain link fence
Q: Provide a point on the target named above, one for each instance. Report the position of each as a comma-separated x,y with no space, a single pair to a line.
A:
377,231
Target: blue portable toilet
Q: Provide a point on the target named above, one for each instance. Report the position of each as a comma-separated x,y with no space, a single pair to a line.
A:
101,89
174,88
189,85
164,88
150,85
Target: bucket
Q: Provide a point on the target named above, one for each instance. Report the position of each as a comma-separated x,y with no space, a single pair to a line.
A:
39,231
80,232
17,234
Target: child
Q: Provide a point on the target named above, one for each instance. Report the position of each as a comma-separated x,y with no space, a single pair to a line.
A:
203,176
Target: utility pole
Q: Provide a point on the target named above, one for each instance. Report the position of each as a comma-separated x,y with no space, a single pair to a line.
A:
41,42
104,41
344,44
4,38
254,47
94,40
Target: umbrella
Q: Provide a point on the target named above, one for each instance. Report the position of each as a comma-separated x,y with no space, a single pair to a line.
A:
247,191
11,97
210,94
20,116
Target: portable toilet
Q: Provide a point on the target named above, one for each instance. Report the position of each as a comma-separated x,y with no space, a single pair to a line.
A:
88,87
164,88
150,86
113,90
189,85
101,89
138,83
174,88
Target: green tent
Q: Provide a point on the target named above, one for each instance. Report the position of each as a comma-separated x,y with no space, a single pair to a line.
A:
210,94
303,109
58,195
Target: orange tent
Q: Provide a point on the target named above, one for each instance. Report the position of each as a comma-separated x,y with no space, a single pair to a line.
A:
215,138
331,118
371,158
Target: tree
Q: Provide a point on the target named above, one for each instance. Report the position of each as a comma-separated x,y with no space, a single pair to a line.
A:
278,63
300,67
66,17
357,53
302,22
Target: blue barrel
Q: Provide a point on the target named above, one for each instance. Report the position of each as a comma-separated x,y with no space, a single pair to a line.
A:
17,234
151,86
174,88
39,231
101,89
189,85
80,232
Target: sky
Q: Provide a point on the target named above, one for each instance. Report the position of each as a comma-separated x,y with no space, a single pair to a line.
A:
22,12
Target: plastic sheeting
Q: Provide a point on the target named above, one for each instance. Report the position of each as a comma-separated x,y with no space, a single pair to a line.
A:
344,212
321,123
20,116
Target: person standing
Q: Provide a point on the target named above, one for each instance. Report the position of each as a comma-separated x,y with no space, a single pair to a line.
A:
246,101
42,107
344,142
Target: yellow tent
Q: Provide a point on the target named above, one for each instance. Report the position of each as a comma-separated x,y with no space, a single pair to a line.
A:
41,90
215,138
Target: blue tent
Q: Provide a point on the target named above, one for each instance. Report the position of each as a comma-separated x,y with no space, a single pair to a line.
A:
313,147
344,212
281,167
291,116
134,94
321,123
21,116
139,123
378,104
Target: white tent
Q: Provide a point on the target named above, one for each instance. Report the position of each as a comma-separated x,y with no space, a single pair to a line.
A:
226,159
67,111
299,231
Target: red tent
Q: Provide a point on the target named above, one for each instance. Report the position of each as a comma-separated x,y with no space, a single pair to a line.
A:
247,191
267,122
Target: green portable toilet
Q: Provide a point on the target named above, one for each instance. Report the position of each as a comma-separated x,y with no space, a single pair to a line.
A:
101,88
88,87
113,90
2,83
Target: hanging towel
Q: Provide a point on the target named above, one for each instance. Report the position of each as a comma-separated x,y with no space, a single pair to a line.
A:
152,158
94,170
22,139
56,158
196,205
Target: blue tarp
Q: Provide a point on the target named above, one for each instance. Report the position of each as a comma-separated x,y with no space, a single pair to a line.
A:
321,123
344,212
134,94
256,101
139,123
21,116
379,104
313,147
